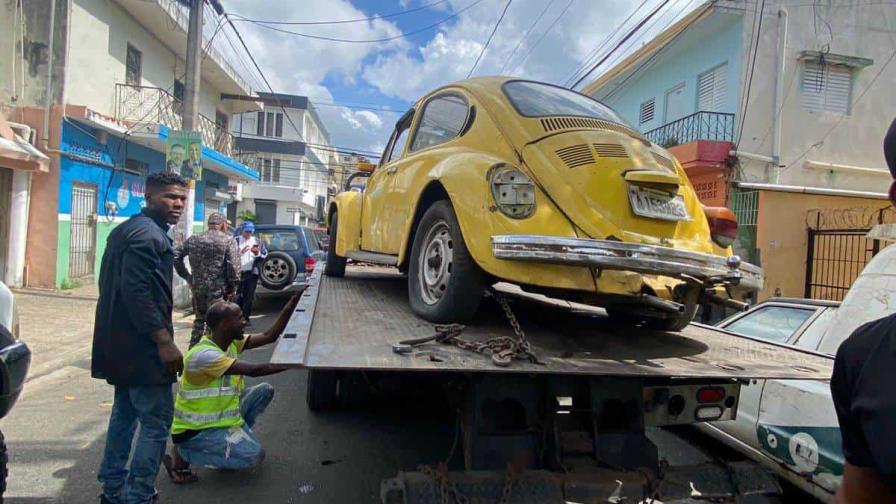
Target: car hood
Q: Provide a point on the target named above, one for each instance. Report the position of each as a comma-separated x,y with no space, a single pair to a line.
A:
587,173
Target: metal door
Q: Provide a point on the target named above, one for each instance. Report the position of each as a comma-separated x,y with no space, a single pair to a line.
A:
266,212
676,103
835,258
82,246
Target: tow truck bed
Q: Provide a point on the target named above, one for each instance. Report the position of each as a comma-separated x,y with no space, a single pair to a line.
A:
352,322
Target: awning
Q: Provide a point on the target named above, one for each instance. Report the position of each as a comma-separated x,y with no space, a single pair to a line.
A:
17,153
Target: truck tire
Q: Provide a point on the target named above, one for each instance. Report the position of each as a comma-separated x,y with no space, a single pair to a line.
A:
4,462
278,270
444,282
322,392
335,266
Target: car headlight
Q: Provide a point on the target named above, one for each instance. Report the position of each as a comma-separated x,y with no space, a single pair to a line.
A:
512,190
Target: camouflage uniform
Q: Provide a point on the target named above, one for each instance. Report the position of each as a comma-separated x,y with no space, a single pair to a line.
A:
215,264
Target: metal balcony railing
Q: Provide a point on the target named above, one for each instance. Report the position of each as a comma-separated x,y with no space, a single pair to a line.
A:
146,104
702,125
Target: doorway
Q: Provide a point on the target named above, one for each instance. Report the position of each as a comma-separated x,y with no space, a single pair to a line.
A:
82,246
676,104
266,212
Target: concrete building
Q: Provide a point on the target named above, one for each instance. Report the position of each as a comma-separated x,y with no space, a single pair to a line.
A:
101,82
289,146
777,109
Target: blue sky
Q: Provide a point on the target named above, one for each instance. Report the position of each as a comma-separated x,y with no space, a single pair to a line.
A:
394,74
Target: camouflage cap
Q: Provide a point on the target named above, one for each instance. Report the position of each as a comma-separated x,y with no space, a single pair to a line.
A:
217,218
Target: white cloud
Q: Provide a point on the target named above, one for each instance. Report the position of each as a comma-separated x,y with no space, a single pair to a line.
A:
371,118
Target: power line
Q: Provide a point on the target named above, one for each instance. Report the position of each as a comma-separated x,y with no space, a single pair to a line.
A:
746,102
354,41
624,39
346,21
593,54
489,41
526,34
548,30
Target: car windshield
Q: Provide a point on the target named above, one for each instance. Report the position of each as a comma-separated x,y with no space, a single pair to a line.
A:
772,323
533,99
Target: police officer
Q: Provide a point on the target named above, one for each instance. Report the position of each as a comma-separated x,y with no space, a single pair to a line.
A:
215,264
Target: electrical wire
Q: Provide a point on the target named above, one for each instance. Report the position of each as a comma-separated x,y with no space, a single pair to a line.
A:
746,104
619,44
489,41
346,21
354,41
526,34
548,30
593,54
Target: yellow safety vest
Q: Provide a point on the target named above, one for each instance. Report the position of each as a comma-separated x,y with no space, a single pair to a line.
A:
216,404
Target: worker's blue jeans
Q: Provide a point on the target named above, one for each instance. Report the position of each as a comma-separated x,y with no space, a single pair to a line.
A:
152,407
234,448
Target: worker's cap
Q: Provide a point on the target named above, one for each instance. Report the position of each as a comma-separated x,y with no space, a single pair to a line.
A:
217,218
248,226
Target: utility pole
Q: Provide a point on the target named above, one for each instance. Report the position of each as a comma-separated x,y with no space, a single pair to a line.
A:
190,119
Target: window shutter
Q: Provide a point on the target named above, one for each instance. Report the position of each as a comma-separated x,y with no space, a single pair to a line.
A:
827,88
648,109
712,88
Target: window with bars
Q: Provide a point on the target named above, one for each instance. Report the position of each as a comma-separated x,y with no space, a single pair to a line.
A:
712,89
826,87
648,111
133,66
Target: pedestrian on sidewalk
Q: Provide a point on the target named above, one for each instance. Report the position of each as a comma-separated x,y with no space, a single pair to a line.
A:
215,264
252,253
864,369
213,414
133,342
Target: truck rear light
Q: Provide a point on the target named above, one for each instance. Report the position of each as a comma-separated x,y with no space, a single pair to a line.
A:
707,413
309,264
722,225
711,395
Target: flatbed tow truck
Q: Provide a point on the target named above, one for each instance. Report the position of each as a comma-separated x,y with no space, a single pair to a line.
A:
555,402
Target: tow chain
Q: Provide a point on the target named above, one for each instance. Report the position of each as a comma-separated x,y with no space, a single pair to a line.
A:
447,489
503,350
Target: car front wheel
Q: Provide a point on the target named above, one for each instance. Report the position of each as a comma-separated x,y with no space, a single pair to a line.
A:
444,282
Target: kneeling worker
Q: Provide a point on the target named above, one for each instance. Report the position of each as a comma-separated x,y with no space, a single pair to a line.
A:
213,415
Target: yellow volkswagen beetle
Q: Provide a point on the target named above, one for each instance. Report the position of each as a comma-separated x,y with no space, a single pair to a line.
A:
495,179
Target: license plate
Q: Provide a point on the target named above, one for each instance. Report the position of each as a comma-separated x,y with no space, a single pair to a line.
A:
657,204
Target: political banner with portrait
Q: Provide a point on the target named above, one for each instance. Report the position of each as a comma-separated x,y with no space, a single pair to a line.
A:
184,154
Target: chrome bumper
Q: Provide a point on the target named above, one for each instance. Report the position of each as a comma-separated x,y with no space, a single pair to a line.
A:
615,255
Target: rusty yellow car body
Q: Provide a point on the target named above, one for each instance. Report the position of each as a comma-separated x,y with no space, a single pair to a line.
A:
578,171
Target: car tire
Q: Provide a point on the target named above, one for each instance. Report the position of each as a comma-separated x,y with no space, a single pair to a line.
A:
449,286
4,463
322,392
278,270
335,265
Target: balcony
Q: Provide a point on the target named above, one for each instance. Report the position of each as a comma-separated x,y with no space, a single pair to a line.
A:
714,126
143,104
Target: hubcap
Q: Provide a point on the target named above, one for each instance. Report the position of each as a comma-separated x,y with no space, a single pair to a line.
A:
435,263
275,270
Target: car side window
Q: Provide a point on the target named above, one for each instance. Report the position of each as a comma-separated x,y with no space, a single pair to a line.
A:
442,120
771,323
284,241
398,145
811,337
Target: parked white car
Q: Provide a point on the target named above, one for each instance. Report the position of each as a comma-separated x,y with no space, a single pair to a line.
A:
790,426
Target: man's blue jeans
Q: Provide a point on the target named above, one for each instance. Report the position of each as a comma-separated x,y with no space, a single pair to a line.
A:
152,407
235,448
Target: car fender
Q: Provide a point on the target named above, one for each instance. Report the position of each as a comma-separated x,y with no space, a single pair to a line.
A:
463,178
348,235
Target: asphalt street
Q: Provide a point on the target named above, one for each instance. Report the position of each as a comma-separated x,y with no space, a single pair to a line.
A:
56,431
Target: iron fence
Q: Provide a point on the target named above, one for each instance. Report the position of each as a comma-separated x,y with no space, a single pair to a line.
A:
698,126
82,243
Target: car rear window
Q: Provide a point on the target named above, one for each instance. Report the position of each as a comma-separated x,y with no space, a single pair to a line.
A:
534,99
772,323
281,240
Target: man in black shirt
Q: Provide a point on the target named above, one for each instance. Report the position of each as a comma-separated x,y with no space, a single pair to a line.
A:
133,342
862,389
